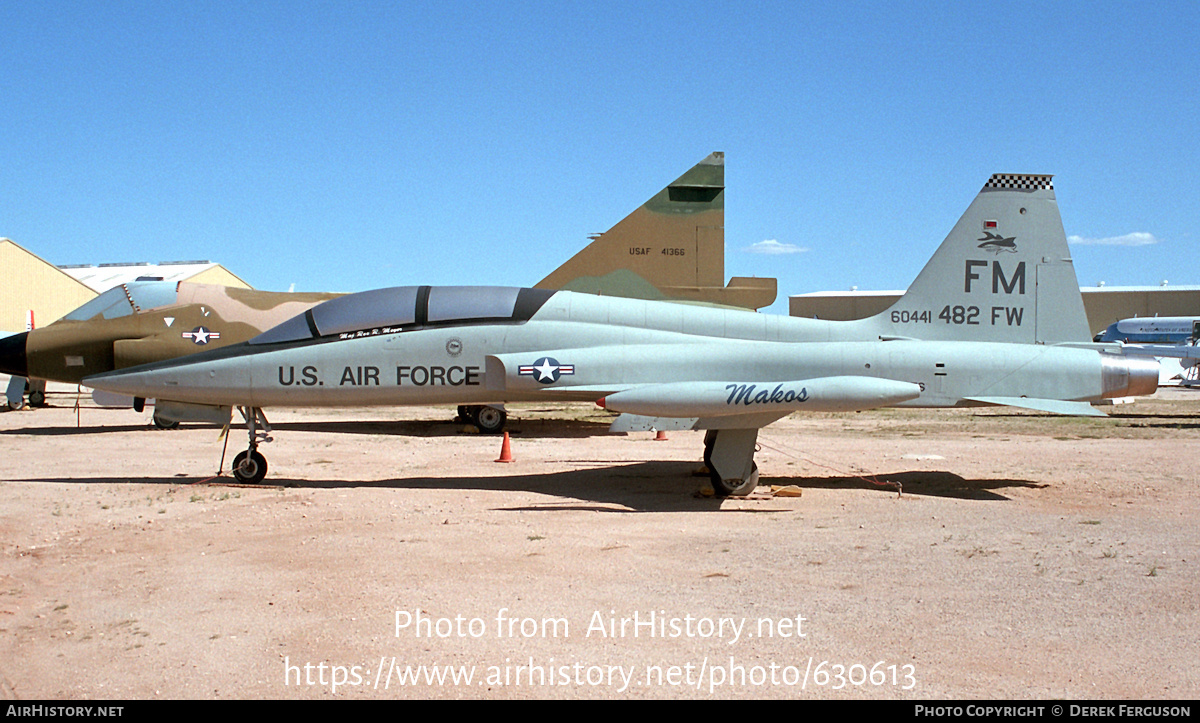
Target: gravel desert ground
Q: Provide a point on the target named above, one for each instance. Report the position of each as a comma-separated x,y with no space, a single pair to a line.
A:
931,554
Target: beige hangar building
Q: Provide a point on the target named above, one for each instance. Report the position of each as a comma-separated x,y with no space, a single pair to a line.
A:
33,284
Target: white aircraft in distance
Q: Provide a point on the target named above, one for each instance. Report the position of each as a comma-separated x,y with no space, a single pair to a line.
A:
1170,339
985,323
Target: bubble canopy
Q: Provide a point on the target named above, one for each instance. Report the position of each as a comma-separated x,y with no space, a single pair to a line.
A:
126,299
399,308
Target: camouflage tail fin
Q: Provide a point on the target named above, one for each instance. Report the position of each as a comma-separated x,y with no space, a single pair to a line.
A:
672,247
1003,274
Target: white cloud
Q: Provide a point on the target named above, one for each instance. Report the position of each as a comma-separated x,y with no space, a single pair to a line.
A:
1138,238
773,247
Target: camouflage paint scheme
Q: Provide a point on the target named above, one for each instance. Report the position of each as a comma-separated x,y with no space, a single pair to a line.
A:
71,349
672,248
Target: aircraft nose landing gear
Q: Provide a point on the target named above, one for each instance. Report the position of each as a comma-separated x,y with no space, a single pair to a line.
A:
250,467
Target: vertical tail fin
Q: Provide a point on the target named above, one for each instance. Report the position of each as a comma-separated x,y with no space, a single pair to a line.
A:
672,247
1003,274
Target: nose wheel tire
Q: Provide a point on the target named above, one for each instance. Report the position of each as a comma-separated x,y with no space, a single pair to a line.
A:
250,467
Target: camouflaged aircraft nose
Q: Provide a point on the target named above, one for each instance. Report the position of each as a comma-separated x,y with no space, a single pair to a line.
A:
12,355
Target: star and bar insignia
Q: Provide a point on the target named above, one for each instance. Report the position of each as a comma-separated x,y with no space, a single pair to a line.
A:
201,336
546,370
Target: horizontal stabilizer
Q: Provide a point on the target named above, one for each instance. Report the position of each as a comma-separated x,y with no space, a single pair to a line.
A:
1053,406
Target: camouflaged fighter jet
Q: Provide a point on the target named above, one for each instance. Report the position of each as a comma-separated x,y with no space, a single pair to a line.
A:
147,321
672,247
974,329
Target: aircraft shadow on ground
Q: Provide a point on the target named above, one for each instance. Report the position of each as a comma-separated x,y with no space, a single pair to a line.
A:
1159,421
1172,420
71,431
550,428
556,428
639,487
929,483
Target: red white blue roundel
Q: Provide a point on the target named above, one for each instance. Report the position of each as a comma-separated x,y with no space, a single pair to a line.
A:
201,336
546,370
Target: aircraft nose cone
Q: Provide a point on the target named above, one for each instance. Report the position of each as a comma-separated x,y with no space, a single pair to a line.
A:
12,355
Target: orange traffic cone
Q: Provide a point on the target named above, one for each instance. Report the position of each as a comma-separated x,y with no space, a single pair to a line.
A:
505,450
661,436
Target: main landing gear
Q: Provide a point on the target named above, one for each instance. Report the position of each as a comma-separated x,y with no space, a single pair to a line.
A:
489,420
729,456
163,422
250,467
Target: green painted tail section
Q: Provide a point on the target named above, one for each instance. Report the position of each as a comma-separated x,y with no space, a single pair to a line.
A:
671,248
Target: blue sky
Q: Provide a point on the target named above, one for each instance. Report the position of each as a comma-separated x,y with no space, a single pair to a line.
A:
347,146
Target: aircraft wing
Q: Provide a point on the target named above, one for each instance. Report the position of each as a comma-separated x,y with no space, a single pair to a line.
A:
642,423
663,391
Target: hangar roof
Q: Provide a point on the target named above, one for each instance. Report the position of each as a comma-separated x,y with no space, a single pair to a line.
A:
102,277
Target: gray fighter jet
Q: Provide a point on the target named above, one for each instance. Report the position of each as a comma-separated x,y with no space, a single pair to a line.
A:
974,329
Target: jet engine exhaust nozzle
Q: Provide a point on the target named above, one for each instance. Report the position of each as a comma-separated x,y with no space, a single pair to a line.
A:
1128,376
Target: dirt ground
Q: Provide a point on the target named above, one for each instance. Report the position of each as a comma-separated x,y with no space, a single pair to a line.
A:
1027,556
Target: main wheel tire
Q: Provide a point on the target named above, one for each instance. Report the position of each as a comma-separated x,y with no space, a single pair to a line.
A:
161,423
490,420
37,399
250,467
731,487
